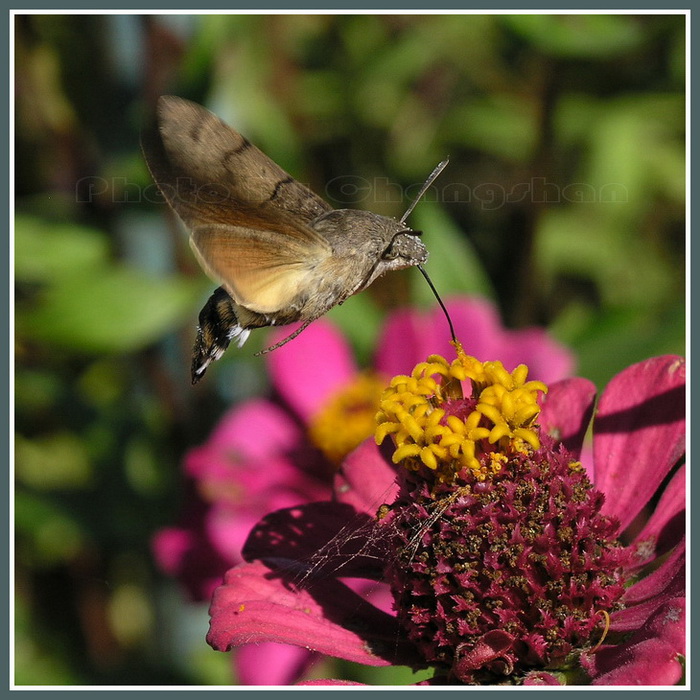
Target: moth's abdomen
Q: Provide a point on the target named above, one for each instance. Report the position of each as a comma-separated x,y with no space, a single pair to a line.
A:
222,320
218,326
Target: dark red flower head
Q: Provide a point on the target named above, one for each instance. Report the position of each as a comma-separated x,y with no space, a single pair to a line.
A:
507,551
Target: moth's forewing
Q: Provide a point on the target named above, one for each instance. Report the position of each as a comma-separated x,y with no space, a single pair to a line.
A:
220,172
248,218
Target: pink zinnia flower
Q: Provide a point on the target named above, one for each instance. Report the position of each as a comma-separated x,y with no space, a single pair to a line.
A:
268,454
506,561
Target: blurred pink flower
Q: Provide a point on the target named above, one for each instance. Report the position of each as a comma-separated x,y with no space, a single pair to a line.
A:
288,594
268,454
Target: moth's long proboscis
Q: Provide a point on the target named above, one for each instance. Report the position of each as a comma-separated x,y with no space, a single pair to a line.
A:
439,300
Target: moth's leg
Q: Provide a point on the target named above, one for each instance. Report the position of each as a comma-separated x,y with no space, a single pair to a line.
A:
284,341
310,313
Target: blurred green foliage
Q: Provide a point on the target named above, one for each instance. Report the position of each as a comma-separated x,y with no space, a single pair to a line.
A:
564,201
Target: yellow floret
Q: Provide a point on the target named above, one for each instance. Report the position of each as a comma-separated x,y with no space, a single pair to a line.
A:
411,410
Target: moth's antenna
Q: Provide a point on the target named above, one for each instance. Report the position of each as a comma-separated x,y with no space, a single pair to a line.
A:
431,178
442,305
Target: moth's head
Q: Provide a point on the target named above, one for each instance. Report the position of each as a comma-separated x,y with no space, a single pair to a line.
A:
379,240
405,247
401,247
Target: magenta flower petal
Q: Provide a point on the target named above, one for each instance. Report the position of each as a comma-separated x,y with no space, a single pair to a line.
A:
666,525
268,663
651,662
566,412
328,681
482,335
548,360
403,341
646,597
240,429
319,538
540,678
639,433
170,545
668,624
227,527
668,579
308,371
649,657
409,337
256,605
634,617
188,554
366,479
478,328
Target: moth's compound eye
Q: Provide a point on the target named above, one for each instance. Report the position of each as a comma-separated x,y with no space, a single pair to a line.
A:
406,245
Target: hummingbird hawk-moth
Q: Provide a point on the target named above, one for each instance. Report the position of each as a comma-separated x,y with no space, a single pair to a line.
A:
280,253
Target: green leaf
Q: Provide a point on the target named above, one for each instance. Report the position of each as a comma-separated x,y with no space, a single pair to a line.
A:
502,125
39,660
45,251
56,461
578,35
453,265
608,341
384,675
111,310
51,534
581,242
